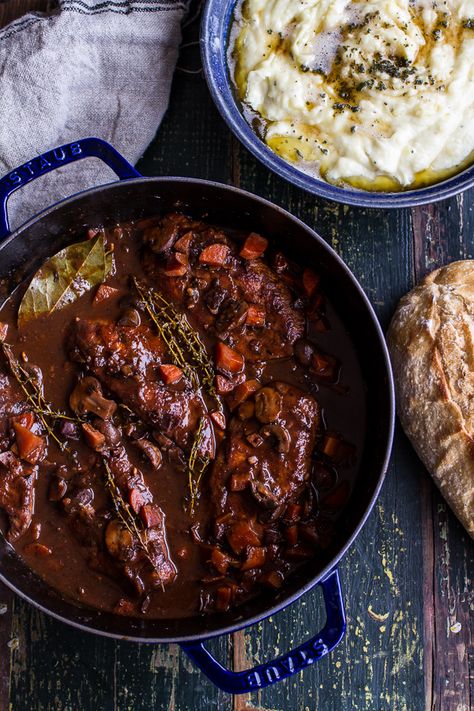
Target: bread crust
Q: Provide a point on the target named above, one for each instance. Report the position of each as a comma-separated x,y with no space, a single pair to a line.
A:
431,344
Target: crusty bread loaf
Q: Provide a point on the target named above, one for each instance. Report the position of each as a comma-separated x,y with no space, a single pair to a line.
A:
431,342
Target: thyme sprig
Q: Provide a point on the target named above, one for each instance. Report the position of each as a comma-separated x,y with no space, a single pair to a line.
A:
42,408
167,324
126,514
189,353
197,465
184,343
33,392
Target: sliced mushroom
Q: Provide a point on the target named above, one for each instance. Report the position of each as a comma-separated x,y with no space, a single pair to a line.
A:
304,351
191,297
111,433
118,539
263,495
232,315
267,405
173,453
69,430
151,452
214,297
57,489
35,373
280,434
87,397
130,318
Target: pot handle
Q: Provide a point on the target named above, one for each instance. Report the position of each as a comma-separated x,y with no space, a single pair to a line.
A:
62,155
270,672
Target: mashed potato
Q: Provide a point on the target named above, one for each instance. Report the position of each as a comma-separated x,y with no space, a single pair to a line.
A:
378,94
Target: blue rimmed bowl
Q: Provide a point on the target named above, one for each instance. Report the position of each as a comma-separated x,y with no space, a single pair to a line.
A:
215,29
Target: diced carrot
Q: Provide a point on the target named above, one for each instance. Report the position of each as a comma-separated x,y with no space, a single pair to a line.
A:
321,325
242,392
309,533
3,331
136,500
30,446
223,385
239,482
273,579
26,419
170,374
291,535
255,316
292,512
228,360
145,222
223,598
255,558
218,418
254,439
242,534
176,265
94,438
338,498
323,477
124,607
37,549
316,302
310,281
325,366
214,254
330,445
220,560
210,579
336,448
150,515
93,232
103,293
254,246
298,552
183,243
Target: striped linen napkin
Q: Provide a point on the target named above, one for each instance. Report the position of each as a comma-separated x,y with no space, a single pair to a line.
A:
92,68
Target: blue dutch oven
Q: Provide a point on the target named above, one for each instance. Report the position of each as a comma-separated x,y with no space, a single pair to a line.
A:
134,197
215,29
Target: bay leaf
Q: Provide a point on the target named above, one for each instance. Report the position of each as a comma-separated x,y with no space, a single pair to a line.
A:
65,277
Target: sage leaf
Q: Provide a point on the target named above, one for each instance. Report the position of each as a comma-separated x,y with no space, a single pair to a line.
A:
65,277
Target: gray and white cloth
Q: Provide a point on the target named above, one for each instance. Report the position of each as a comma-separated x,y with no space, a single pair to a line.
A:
92,68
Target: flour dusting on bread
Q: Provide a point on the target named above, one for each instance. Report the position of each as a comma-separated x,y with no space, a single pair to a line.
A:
431,343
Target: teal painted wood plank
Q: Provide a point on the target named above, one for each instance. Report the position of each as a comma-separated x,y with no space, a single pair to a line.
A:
56,667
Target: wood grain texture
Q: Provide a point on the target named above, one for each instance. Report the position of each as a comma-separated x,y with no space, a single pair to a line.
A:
442,233
405,580
6,614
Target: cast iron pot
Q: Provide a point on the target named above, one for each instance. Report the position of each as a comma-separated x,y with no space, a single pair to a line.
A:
24,250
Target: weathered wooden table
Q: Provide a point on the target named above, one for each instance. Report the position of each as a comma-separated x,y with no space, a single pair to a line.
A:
407,579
